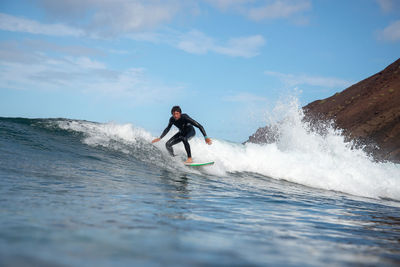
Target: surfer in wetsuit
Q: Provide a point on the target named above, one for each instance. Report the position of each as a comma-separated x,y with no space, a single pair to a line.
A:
186,131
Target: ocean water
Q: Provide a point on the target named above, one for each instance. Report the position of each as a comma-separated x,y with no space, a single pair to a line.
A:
79,193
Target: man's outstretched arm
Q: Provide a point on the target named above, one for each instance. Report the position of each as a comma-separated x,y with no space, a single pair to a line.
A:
166,130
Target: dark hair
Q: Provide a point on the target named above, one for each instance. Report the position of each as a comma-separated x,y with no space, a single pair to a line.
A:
176,108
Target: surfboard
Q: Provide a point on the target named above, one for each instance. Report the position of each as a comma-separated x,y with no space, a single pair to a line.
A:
196,164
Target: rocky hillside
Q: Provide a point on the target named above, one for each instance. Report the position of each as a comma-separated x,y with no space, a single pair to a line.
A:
368,111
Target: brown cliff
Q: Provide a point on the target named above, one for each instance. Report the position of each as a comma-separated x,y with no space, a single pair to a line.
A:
368,111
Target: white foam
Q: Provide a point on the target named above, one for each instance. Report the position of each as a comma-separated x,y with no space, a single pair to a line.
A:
104,134
301,155
124,138
305,157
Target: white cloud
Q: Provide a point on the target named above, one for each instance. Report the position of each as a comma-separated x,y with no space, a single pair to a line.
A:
267,9
194,42
391,32
389,5
74,50
19,24
25,69
293,80
118,52
242,47
107,18
226,4
279,9
96,18
197,42
38,48
87,63
128,17
133,84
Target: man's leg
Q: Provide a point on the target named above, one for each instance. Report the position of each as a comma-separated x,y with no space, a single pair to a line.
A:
185,140
173,141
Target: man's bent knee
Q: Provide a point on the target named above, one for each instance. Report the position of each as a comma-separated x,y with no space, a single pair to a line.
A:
168,145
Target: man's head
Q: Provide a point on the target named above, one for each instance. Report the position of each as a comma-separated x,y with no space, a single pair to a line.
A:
176,112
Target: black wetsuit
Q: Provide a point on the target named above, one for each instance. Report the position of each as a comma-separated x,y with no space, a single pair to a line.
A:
186,131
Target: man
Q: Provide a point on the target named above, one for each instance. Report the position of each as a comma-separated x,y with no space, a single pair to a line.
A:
186,131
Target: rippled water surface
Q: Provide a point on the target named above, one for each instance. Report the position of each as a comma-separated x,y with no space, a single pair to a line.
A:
64,202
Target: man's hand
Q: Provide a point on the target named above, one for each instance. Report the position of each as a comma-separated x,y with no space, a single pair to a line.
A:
208,141
155,140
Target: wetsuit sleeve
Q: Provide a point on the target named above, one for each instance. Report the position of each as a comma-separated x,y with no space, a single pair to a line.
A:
167,129
195,123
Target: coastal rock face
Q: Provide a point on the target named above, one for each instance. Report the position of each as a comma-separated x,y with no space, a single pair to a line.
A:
264,135
368,111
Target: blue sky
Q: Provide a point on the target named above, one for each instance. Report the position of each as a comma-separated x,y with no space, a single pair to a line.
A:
225,62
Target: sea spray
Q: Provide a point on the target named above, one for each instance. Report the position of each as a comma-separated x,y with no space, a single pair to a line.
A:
319,159
124,138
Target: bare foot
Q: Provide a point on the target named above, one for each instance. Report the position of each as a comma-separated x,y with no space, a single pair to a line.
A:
155,140
189,160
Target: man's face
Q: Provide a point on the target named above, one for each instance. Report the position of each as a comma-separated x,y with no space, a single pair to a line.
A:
176,115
